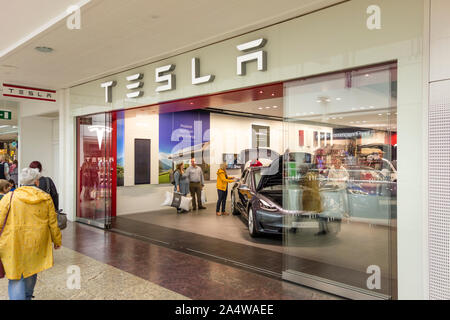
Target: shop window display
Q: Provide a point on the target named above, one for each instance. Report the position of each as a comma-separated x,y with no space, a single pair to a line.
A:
323,192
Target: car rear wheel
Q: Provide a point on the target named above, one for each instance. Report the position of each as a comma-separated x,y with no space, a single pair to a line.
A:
252,224
234,210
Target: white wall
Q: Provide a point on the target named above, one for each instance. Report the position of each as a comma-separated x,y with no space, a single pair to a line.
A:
36,143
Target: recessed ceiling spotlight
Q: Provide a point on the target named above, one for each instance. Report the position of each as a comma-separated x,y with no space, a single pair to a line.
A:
353,109
328,100
338,99
191,103
275,107
260,108
380,114
44,49
318,101
334,118
273,94
363,108
367,75
311,112
261,92
371,107
267,107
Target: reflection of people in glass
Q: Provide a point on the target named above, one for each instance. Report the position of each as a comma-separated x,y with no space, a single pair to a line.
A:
338,176
311,200
181,183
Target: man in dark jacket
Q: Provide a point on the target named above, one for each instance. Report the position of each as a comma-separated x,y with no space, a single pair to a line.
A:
46,184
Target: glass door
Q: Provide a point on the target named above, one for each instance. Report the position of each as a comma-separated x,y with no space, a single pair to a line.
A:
95,169
340,182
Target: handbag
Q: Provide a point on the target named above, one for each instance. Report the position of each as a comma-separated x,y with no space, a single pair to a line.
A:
61,217
2,269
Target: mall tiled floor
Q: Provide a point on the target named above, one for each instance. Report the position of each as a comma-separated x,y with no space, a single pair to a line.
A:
115,266
98,281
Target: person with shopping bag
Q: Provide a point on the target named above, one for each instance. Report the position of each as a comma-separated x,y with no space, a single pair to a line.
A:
28,229
196,184
222,189
181,183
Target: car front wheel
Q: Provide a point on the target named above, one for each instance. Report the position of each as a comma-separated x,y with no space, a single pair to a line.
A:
252,224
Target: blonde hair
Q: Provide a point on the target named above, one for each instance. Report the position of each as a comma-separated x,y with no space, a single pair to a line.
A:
4,186
223,166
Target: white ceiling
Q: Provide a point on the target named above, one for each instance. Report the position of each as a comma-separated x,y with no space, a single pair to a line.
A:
116,35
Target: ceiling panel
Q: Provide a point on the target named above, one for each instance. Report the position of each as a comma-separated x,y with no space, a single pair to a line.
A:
116,35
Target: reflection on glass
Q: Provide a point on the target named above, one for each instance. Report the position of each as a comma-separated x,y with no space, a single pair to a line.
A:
96,165
343,202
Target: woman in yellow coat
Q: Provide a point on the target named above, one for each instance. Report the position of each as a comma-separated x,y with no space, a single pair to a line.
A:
29,229
222,188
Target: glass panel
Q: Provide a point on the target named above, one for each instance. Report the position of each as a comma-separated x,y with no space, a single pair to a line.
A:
340,183
95,169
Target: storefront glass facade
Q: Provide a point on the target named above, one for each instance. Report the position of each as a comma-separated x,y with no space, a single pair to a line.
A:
320,113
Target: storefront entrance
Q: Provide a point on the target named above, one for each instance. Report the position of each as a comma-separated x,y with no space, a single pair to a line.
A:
315,179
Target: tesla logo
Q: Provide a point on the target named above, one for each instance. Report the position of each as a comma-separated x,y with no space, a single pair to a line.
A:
374,20
100,130
164,75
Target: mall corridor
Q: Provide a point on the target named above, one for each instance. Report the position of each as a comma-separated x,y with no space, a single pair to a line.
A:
118,267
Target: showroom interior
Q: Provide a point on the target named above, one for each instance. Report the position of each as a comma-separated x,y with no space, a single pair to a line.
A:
125,159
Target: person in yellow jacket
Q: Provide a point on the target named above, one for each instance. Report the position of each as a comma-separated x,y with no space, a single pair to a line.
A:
222,189
29,229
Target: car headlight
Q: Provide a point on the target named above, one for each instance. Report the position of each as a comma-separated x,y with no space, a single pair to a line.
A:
266,206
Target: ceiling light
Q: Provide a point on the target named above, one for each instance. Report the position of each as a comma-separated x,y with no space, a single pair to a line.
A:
44,49
261,92
260,108
371,107
338,99
363,108
273,94
367,75
275,107
341,118
380,114
267,107
318,101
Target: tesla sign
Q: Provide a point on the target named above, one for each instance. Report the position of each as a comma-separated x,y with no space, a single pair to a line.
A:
165,76
15,91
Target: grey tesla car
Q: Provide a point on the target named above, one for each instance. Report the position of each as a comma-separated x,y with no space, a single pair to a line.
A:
269,207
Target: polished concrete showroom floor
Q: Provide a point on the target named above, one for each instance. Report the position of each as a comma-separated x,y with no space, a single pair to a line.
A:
343,258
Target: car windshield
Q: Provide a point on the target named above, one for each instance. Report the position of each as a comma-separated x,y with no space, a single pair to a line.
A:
258,177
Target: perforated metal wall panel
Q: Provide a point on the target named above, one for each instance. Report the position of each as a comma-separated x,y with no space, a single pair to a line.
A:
439,192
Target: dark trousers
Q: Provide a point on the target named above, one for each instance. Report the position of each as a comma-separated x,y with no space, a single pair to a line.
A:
196,192
222,200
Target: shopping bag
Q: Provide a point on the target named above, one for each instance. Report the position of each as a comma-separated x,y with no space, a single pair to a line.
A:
204,197
176,200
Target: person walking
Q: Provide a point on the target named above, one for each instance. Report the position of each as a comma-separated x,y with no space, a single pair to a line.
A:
181,182
4,168
222,189
14,172
196,184
28,228
46,184
5,187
